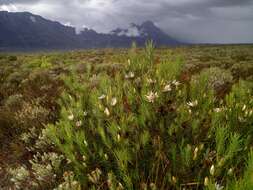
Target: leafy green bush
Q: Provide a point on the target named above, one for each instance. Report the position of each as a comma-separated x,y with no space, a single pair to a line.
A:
143,129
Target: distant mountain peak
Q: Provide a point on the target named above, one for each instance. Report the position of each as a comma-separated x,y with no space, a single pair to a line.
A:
148,23
135,30
24,30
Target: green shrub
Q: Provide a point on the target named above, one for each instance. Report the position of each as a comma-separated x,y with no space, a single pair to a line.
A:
143,129
133,121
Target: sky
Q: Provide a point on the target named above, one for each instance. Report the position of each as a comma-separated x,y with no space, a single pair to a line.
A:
198,21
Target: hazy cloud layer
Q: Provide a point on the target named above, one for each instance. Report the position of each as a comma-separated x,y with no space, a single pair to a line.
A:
223,21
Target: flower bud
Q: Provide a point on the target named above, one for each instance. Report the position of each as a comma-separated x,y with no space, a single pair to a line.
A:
212,170
206,181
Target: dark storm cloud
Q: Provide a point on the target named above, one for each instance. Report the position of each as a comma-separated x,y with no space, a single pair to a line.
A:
192,20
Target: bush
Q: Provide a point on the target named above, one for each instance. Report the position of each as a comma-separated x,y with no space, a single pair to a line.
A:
143,129
12,58
14,102
219,80
136,122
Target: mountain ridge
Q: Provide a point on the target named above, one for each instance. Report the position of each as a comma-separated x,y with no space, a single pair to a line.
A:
24,30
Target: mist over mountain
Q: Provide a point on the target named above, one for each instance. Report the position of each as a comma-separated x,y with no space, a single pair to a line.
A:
26,31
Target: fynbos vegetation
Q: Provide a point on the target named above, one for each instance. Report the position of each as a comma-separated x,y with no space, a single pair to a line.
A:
148,120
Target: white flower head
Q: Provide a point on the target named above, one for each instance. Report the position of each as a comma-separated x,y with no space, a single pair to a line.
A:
230,171
167,88
118,137
151,81
102,97
193,104
114,101
244,108
106,156
151,97
85,143
79,123
174,179
107,112
176,83
130,75
71,117
212,170
195,155
85,113
217,110
206,181
218,186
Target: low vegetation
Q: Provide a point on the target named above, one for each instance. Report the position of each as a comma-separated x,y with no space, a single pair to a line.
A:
128,119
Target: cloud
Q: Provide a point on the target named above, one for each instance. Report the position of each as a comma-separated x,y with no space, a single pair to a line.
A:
222,21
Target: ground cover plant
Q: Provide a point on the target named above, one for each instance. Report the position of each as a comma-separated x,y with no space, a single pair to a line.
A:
135,119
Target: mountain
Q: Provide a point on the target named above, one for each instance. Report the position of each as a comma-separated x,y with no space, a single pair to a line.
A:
145,31
26,31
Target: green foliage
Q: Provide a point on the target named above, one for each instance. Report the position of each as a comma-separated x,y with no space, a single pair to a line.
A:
143,119
143,128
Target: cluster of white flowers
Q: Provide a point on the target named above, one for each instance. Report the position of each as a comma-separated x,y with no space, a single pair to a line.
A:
113,102
151,96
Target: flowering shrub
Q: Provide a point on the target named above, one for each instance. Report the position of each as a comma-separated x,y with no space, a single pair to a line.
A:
143,128
143,123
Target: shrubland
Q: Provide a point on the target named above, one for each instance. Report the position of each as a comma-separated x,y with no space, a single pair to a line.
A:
135,119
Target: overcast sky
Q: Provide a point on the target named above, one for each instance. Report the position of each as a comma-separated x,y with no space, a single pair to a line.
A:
217,21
